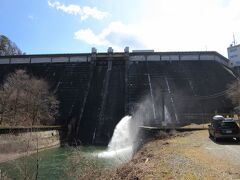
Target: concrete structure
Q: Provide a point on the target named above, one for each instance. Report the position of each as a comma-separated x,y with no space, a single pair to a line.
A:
28,142
96,90
141,55
234,55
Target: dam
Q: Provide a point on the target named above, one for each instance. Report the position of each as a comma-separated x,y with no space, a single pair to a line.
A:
96,90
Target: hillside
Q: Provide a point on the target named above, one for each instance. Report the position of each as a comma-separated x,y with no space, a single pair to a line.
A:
7,47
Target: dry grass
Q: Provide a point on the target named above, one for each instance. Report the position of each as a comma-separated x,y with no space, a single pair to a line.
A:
82,167
197,125
142,166
180,156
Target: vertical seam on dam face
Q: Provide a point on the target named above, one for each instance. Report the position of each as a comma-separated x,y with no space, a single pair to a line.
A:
103,104
151,90
152,98
95,95
172,102
84,102
126,105
92,109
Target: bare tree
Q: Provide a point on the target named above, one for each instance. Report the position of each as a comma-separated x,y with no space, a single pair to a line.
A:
233,93
25,100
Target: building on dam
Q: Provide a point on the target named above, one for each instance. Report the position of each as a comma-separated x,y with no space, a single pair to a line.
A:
96,90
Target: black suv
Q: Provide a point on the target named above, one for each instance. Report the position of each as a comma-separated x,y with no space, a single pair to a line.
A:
226,128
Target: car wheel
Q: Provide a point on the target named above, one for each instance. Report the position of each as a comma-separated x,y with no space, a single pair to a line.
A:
238,139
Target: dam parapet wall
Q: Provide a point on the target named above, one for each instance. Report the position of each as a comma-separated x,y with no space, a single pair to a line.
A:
134,56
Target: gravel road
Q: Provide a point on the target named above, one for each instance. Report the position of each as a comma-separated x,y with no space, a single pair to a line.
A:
227,150
206,158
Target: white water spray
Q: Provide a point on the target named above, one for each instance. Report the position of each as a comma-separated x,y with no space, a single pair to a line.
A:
121,145
167,115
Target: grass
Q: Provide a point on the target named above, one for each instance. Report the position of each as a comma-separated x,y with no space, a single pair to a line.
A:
197,126
176,156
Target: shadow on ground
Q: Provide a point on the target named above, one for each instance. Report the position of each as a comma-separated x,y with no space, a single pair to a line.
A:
226,141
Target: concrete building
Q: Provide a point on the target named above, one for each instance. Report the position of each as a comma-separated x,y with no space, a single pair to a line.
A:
234,55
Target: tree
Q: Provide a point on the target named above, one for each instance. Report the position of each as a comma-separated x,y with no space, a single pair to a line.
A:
7,47
233,93
25,100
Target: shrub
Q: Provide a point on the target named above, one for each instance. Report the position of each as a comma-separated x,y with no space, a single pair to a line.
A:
26,101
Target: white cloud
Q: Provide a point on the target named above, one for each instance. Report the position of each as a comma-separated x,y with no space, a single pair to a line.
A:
116,35
89,37
93,12
84,12
186,25
173,25
31,17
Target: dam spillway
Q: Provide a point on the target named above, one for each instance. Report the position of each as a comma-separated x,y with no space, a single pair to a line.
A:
96,90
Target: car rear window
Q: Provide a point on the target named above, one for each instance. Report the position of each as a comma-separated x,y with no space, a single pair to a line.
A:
229,125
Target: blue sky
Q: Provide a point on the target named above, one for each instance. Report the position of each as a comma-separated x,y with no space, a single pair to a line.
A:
74,26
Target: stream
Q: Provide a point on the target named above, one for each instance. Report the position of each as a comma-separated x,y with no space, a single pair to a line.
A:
61,163
54,163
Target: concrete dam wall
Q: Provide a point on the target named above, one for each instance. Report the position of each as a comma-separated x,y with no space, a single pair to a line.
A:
94,95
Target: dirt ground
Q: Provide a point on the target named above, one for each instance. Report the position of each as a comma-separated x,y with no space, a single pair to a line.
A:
183,156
